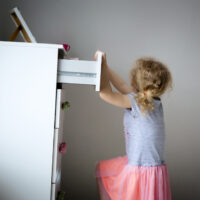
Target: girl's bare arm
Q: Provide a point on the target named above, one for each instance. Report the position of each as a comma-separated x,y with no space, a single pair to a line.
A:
106,93
118,82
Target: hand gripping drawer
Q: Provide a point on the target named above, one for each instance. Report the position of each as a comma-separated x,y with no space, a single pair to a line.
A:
80,71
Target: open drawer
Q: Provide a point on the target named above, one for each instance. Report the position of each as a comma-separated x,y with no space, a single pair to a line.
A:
69,71
80,71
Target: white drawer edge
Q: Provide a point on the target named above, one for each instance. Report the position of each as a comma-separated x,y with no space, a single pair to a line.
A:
76,80
55,153
53,191
58,107
55,188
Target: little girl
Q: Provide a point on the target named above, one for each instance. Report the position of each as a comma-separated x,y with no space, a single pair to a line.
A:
142,174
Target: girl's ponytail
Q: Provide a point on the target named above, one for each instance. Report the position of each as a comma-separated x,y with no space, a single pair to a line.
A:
145,100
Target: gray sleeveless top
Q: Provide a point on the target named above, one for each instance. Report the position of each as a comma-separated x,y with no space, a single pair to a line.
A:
145,135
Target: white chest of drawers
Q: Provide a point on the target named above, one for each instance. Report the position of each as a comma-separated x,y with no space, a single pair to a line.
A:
31,119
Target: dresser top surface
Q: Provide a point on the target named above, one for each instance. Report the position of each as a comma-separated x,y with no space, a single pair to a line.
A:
28,44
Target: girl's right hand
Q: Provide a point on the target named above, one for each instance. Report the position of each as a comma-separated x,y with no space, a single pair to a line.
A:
104,61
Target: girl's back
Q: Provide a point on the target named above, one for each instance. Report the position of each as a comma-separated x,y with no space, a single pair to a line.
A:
145,134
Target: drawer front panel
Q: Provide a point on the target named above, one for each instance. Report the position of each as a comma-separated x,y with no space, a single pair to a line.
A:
57,155
80,71
59,112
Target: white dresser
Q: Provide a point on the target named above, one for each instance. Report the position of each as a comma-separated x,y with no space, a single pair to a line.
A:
31,116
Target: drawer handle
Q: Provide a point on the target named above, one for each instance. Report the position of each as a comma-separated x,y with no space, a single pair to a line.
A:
65,105
61,195
63,147
66,47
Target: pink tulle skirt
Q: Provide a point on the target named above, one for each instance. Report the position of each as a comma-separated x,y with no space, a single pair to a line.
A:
120,181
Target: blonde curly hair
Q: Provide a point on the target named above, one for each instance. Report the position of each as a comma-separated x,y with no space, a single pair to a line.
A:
150,78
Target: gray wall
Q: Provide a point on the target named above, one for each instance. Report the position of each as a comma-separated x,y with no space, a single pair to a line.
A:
125,30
